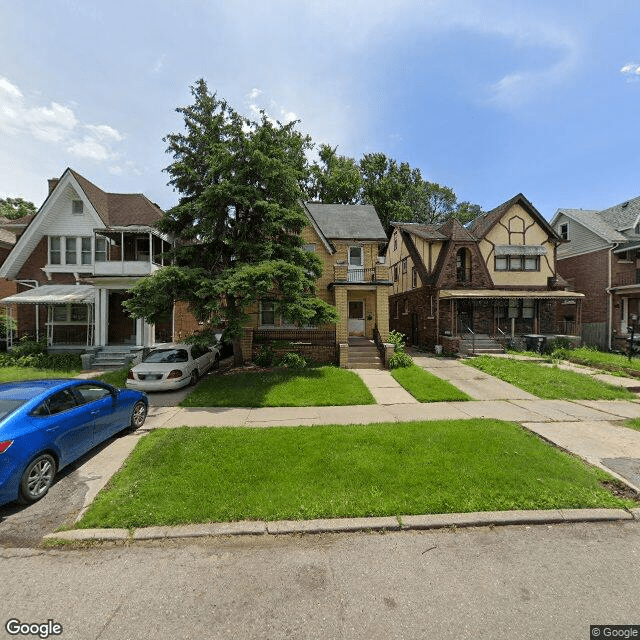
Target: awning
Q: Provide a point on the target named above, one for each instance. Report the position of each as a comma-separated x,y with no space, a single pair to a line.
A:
54,294
520,250
509,294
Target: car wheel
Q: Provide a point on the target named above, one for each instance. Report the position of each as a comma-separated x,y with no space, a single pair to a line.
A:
37,478
194,377
138,415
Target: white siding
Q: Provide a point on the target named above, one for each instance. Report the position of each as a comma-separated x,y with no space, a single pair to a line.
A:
581,239
60,221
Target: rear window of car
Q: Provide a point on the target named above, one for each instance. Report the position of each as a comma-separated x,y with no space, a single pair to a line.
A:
9,406
167,355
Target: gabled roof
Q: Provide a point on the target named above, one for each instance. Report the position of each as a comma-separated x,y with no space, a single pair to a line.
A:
593,221
622,216
347,221
481,225
425,231
119,209
453,230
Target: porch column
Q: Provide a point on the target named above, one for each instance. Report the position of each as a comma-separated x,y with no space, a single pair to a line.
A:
140,331
104,316
342,328
382,312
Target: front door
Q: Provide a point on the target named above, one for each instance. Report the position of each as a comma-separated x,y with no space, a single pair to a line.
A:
122,327
356,318
465,316
356,264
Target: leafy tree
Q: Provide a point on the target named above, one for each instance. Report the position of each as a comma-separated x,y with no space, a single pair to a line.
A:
14,208
335,179
237,222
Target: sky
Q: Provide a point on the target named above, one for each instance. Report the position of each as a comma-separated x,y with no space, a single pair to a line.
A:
491,98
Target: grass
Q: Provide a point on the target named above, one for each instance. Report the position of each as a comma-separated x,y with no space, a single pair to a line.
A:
312,387
12,374
117,378
634,423
546,382
425,387
191,475
613,362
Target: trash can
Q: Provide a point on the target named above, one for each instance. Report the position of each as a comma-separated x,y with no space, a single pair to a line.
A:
534,342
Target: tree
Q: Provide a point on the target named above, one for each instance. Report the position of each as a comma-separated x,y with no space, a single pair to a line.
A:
237,223
335,179
14,208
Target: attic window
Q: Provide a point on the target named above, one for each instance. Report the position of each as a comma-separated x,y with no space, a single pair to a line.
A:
77,207
564,231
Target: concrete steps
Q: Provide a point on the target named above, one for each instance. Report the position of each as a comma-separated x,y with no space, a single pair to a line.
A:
363,354
114,357
482,344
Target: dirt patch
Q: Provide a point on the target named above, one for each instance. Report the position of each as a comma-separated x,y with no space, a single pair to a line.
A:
621,490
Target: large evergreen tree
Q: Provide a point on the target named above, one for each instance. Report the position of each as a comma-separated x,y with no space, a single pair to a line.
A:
14,208
237,222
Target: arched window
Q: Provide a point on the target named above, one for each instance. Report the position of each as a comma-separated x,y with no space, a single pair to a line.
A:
463,266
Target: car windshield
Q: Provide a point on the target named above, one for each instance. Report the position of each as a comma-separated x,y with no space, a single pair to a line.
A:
167,355
8,406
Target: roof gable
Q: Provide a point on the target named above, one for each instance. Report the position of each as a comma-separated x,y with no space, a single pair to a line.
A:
347,221
593,221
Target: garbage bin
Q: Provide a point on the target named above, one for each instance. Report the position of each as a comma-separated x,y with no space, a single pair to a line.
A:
534,342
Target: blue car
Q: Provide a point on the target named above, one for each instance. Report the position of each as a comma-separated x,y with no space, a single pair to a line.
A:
47,424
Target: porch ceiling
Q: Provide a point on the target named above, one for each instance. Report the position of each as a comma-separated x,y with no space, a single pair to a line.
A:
508,293
54,294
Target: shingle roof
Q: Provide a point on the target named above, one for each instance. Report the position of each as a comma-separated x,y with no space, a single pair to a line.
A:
119,209
623,215
347,221
453,230
594,221
426,231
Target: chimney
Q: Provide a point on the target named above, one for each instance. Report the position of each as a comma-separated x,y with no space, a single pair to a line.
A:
53,183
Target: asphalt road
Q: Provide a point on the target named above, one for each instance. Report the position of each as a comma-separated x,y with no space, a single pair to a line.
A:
498,583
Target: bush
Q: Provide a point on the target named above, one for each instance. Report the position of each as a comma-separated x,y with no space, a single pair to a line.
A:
266,356
27,346
400,359
398,340
559,344
30,353
292,360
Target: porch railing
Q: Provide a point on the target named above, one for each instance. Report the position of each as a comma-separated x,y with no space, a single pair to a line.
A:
296,336
626,279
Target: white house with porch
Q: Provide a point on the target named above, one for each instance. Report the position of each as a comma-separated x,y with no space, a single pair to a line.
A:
75,262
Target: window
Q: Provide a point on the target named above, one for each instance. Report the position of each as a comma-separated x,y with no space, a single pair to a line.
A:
564,231
90,393
77,207
70,313
414,278
463,265
86,251
502,263
528,307
532,263
61,401
397,309
70,251
404,265
513,308
79,313
355,257
101,249
54,250
395,273
406,307
395,240
517,263
267,314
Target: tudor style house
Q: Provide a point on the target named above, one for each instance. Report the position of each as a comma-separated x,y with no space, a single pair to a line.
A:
494,279
73,262
355,279
602,260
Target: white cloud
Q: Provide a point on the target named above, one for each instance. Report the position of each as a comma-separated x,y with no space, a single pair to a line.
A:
159,63
631,72
55,124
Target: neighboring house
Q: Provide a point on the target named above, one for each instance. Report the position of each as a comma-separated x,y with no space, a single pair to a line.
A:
602,260
494,277
348,239
74,261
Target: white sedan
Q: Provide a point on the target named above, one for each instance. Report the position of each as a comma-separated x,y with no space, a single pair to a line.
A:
172,366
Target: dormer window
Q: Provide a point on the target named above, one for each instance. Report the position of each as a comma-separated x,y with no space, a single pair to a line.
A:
77,207
637,229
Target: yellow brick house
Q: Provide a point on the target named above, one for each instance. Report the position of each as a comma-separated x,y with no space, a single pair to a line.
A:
349,240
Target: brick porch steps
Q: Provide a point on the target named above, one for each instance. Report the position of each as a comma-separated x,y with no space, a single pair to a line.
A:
363,354
483,345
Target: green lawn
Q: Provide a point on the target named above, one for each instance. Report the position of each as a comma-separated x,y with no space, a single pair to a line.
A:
613,362
425,387
634,423
117,377
11,374
312,387
548,382
190,475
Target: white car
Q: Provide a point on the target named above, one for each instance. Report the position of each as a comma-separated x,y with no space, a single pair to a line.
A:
172,366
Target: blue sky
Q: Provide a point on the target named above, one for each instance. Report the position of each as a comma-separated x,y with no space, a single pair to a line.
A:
490,98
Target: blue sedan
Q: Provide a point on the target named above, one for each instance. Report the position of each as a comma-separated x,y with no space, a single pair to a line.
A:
47,424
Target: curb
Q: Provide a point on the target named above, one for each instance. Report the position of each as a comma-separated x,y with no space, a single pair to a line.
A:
349,525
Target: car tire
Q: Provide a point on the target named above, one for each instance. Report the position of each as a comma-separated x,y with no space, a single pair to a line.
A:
37,478
194,377
138,415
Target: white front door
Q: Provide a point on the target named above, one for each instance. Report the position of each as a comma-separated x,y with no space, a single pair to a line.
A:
624,317
356,318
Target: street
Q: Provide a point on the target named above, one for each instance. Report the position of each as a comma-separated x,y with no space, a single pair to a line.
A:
499,582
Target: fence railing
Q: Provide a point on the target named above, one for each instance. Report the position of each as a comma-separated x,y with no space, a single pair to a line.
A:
626,279
295,336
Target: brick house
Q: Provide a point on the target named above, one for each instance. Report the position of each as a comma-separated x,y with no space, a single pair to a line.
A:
495,277
602,260
355,279
73,262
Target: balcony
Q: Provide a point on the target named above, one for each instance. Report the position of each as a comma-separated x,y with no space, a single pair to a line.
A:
123,253
345,275
626,279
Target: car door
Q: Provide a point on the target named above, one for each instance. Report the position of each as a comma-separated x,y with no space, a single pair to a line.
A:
201,358
68,426
100,402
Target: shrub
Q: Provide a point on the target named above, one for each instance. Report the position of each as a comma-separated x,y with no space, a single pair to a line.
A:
29,354
400,359
397,339
559,344
28,346
266,356
292,360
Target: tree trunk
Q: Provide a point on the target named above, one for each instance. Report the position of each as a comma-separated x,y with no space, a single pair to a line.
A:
238,356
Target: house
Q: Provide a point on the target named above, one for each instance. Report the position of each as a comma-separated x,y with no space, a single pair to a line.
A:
355,279
495,277
74,261
602,260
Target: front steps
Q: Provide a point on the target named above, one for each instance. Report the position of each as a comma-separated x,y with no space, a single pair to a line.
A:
478,345
115,357
364,354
